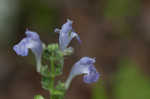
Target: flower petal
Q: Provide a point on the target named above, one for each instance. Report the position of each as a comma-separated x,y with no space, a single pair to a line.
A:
56,30
74,34
66,34
93,76
21,48
84,66
67,27
32,34
33,42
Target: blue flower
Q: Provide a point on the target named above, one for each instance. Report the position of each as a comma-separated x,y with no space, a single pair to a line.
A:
31,41
66,34
84,66
92,76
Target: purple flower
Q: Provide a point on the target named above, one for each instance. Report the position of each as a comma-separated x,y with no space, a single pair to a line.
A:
66,34
84,66
92,76
31,41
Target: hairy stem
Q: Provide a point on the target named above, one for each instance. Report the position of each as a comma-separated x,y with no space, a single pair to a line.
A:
52,78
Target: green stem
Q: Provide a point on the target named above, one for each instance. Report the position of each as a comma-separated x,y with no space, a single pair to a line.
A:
52,78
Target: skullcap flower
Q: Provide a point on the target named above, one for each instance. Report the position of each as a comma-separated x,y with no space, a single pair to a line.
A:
66,34
31,41
84,66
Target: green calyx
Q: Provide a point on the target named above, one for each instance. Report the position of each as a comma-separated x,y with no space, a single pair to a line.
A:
53,53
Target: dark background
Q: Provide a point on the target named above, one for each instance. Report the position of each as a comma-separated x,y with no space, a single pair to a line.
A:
116,32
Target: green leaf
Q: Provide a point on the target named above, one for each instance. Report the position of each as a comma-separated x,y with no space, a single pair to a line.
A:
38,97
45,71
60,86
68,51
45,82
60,89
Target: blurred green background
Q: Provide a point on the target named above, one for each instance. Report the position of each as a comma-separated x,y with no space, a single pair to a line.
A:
116,32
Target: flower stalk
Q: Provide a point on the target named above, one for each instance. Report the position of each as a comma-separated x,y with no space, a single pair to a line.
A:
52,77
54,55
